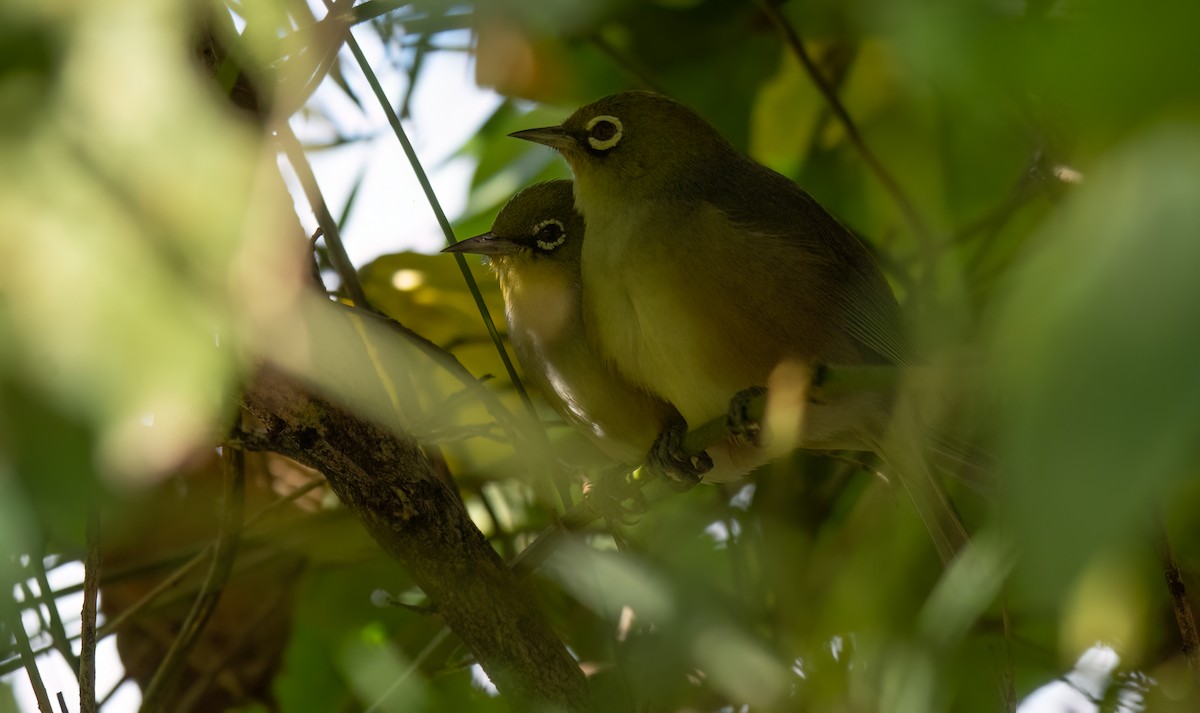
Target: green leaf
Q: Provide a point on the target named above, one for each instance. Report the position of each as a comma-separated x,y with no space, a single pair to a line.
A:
1097,344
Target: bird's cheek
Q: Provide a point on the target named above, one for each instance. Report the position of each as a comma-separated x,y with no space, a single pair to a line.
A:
575,158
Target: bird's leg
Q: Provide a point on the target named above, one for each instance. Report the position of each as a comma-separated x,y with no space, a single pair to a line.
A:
745,415
680,470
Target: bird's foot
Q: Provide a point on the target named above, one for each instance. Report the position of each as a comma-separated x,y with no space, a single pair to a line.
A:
680,470
745,416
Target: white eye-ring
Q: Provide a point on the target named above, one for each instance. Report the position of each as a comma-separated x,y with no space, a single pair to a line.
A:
604,132
557,236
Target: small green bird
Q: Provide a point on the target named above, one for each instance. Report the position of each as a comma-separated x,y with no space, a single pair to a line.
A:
534,247
706,274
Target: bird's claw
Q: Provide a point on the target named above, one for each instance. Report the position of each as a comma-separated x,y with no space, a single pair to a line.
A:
742,426
680,470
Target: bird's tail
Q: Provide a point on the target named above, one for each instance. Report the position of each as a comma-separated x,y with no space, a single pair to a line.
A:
965,462
903,448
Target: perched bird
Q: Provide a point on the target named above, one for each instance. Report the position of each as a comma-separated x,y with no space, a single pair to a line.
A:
534,247
706,274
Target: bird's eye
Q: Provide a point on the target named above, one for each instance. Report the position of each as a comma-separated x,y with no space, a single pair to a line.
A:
604,132
549,234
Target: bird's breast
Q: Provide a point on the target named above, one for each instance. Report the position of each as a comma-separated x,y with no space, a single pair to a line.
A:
640,308
541,305
547,333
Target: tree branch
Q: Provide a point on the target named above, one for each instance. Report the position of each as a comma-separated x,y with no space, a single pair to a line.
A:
389,486
1181,604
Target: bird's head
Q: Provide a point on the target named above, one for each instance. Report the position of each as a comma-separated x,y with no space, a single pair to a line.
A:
538,226
632,144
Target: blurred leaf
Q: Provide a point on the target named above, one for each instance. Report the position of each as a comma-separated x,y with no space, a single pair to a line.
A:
377,673
8,703
124,263
607,583
427,294
150,256
740,666
327,658
51,477
1097,344
1103,64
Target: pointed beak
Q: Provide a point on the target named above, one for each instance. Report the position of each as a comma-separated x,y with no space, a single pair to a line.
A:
486,244
556,137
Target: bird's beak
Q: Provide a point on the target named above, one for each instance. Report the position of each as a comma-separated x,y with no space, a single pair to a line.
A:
556,137
486,244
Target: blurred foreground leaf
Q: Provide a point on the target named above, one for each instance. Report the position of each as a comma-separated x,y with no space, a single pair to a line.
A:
1098,343
143,231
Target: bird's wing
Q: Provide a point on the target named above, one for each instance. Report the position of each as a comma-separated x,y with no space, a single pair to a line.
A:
780,209
873,317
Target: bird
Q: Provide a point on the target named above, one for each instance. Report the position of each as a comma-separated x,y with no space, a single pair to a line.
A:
534,249
707,275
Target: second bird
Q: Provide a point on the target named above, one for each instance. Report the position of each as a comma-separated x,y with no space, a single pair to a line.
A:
534,247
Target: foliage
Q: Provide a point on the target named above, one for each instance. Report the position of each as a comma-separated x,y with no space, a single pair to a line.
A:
152,261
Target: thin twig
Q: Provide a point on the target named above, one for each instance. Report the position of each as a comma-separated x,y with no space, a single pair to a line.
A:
372,9
829,380
59,632
596,503
538,435
1184,617
116,687
995,217
440,214
331,229
91,589
451,434
1008,677
576,518
436,641
312,192
1032,183
856,464
43,625
455,368
634,71
197,559
249,633
162,687
13,615
907,207
114,624
499,533
293,496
